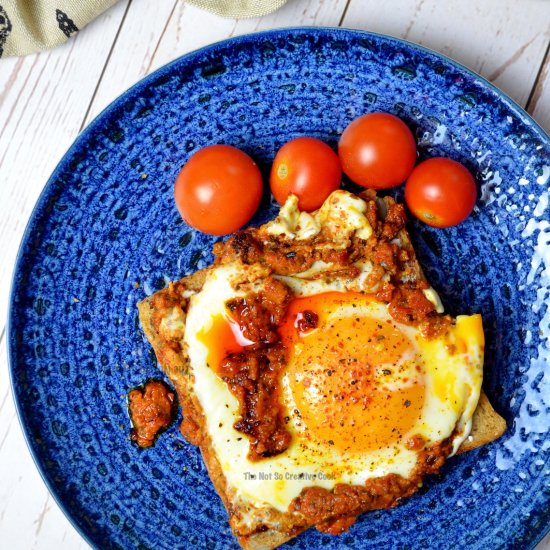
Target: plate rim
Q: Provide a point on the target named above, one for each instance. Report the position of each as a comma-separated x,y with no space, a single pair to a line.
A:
188,57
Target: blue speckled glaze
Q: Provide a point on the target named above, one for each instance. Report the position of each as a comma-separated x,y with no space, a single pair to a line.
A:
105,233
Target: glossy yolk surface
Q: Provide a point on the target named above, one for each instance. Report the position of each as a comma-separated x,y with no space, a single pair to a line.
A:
221,338
349,375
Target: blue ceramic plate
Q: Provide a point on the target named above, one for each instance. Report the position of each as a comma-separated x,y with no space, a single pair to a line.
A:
105,233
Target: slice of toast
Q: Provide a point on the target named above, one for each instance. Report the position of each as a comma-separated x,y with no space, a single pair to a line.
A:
265,527
487,425
176,366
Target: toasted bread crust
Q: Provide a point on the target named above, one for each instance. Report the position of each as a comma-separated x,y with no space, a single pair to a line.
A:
487,425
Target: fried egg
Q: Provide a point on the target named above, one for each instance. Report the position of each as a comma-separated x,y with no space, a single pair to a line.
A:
358,388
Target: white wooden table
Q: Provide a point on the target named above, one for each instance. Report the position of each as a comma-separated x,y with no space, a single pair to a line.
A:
46,100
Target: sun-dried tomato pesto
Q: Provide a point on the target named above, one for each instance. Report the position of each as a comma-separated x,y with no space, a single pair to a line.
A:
253,378
306,320
151,411
334,511
253,375
259,314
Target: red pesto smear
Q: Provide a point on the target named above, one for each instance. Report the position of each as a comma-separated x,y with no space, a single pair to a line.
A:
151,411
244,350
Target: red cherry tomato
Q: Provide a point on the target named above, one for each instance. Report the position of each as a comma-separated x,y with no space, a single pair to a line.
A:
377,150
307,168
440,192
218,189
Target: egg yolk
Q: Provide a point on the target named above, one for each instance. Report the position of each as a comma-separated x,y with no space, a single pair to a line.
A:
350,372
222,337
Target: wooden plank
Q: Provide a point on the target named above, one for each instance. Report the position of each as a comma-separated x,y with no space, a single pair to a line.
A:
498,39
24,499
43,101
178,40
133,52
539,102
174,28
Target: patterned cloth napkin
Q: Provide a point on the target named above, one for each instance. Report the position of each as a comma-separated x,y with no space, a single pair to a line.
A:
28,26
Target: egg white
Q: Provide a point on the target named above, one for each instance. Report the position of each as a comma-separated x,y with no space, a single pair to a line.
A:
452,383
